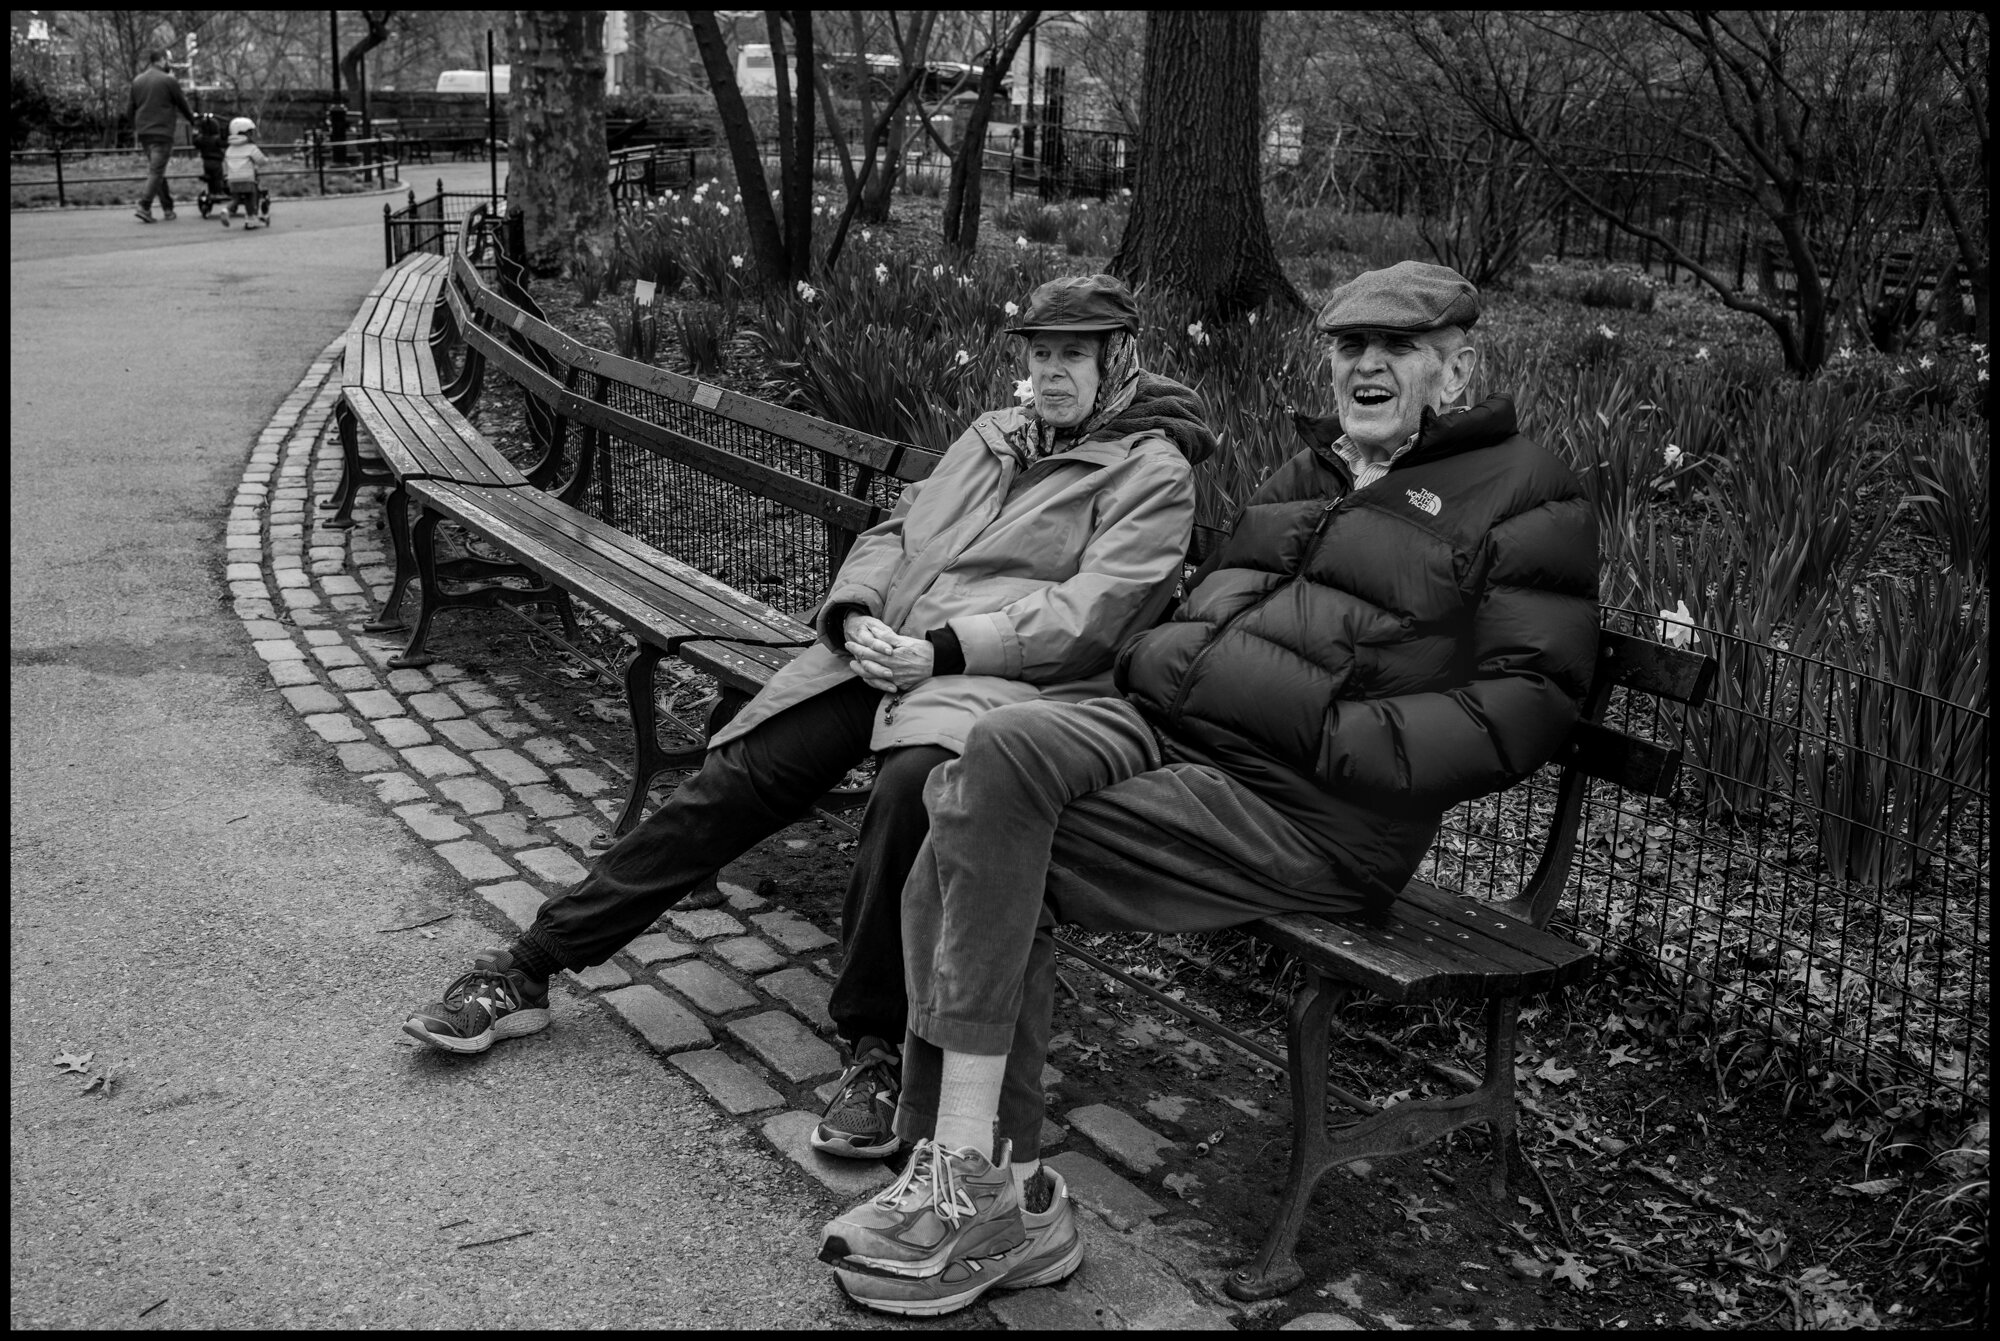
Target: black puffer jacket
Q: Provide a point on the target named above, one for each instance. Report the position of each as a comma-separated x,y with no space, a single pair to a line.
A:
1365,659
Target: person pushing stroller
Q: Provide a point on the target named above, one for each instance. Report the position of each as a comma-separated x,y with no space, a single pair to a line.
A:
209,142
240,161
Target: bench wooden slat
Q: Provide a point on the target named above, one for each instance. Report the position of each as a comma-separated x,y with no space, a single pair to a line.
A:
744,667
417,438
598,561
1634,764
902,461
1654,668
805,496
703,597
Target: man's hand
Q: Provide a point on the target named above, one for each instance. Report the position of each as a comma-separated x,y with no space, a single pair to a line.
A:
894,664
862,627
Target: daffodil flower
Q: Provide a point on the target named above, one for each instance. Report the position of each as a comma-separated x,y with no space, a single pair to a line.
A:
1024,390
807,291
881,273
1011,309
1673,455
1606,331
1677,625
1702,353
736,262
865,235
723,210
937,272
1021,241
1924,362
962,359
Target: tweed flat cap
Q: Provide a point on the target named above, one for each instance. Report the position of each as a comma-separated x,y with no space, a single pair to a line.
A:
1409,296
1079,303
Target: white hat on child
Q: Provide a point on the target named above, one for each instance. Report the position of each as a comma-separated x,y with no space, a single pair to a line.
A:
242,125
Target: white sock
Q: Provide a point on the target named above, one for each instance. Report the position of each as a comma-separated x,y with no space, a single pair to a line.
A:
1025,1169
969,1101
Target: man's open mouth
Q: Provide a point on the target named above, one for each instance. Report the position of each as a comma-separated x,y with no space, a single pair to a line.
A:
1373,395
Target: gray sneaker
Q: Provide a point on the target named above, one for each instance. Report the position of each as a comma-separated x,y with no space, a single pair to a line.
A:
494,1001
859,1122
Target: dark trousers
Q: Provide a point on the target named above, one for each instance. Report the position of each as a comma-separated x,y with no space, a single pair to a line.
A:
158,154
746,791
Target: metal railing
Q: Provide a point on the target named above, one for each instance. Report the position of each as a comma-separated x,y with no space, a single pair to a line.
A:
1812,891
374,161
431,224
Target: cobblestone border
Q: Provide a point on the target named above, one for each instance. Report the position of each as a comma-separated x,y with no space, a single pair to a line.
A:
735,998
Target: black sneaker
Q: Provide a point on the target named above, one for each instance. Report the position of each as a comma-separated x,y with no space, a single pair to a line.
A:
143,214
494,1001
859,1122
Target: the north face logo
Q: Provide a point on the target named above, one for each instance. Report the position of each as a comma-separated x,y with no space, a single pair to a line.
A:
1426,501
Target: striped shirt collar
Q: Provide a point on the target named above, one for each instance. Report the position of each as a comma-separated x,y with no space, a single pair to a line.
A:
1368,469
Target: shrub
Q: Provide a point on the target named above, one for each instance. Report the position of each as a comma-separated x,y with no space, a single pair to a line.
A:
1617,288
591,273
704,333
1947,475
635,329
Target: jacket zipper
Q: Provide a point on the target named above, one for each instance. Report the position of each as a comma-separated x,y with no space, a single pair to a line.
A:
1298,574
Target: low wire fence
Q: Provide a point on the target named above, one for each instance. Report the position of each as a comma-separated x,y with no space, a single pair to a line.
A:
1816,889
431,224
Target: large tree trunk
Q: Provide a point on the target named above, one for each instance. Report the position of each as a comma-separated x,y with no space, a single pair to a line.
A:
767,244
559,166
351,69
968,166
1197,225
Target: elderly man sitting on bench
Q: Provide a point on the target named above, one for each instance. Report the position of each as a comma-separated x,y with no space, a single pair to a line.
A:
1402,618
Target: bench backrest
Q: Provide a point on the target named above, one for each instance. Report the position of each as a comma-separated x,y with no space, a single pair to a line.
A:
693,461
1640,671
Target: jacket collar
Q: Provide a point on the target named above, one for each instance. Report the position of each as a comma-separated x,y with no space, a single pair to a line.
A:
1440,435
993,428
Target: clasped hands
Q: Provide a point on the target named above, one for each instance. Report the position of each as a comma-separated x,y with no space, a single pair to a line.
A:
884,658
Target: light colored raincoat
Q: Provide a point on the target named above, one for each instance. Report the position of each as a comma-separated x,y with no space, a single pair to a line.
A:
1041,573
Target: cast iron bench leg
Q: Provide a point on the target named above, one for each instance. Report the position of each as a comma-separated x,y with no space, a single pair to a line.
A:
423,541
390,616
1276,1268
648,759
351,474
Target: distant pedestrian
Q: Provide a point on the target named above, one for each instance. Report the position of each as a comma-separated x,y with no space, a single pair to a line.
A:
156,96
241,160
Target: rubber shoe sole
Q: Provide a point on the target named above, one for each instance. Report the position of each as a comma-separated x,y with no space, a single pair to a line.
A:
846,1145
514,1024
962,1282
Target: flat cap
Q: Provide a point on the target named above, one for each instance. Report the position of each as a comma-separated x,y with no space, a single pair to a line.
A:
1079,303
1409,296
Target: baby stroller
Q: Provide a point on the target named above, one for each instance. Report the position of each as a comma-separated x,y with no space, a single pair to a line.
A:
208,142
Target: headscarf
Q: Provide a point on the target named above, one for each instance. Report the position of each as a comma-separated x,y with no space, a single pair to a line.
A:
1118,374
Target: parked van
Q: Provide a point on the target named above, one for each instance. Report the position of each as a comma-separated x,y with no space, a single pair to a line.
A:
473,81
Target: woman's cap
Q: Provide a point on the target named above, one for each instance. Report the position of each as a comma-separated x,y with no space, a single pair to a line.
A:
1079,303
242,125
1409,296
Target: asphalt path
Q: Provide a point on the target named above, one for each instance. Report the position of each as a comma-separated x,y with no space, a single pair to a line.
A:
199,893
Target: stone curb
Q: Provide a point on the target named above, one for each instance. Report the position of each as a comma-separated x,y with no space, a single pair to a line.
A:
733,998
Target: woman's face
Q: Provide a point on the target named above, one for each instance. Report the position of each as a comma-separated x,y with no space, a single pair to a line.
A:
1063,367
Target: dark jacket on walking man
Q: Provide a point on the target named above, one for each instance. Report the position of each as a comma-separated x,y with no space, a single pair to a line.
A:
156,101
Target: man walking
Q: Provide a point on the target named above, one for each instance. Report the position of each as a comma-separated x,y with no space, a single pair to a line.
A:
1402,618
156,97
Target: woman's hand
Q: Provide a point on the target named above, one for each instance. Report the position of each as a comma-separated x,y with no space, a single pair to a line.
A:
862,627
894,664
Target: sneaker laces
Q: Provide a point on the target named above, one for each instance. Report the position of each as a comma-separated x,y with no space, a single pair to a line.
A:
931,1173
464,989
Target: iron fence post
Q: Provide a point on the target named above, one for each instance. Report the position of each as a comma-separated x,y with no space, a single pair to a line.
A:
61,200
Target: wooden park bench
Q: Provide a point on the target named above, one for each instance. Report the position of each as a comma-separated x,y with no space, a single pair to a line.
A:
1431,945
444,469
641,172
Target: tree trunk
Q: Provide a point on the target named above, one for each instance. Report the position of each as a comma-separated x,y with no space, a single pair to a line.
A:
1197,225
560,166
968,165
767,244
351,70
